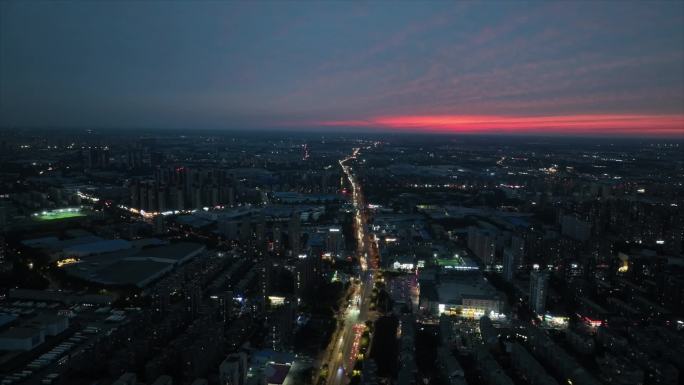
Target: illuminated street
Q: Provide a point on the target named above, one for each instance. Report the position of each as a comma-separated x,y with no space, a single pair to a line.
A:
341,354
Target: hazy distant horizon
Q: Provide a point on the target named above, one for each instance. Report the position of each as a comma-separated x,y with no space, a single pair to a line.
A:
352,131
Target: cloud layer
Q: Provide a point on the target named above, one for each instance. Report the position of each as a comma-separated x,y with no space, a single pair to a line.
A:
566,66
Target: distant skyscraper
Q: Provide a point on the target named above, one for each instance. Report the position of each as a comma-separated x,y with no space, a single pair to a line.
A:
573,227
3,217
307,273
277,238
159,225
539,284
226,303
294,230
260,232
144,201
509,264
246,231
177,199
97,157
334,242
135,194
518,248
157,159
264,280
280,322
160,302
231,196
196,197
2,249
161,199
194,299
483,244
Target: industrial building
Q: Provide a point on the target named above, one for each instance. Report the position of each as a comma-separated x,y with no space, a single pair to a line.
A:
134,267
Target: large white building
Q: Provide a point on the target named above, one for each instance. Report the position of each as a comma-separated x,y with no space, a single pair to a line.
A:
468,297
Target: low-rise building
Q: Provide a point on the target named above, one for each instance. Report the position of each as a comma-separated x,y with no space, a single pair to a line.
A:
21,338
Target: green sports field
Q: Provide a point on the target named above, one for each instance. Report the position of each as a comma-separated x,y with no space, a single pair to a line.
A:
57,215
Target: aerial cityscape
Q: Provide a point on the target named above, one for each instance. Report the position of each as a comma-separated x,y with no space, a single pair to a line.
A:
341,193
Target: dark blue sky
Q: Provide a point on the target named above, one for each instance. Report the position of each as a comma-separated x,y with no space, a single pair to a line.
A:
307,65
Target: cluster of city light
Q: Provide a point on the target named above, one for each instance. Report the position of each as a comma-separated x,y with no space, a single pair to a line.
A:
355,195
536,266
550,170
342,358
592,322
276,300
469,312
555,322
461,268
358,332
152,214
445,185
87,197
402,266
624,267
67,261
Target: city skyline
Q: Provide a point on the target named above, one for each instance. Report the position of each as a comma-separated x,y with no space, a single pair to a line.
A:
493,68
341,193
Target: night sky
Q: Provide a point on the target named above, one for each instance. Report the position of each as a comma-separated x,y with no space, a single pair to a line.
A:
573,67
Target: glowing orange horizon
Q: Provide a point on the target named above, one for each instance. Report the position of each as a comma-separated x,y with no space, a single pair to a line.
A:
670,125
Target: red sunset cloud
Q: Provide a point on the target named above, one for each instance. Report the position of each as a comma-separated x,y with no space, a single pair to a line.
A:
668,125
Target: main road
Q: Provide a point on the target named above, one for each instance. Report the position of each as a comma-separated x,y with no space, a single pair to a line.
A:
344,346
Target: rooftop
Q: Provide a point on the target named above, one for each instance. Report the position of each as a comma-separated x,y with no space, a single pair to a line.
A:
174,251
454,291
133,267
98,247
131,272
